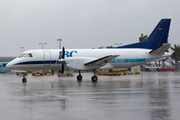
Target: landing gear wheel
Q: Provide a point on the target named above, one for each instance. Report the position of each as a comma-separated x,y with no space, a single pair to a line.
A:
94,78
79,77
24,80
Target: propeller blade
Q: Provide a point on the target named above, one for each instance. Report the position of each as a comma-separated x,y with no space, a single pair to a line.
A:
62,68
63,52
62,59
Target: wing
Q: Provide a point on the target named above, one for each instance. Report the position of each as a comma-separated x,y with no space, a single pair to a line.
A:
88,63
160,50
101,61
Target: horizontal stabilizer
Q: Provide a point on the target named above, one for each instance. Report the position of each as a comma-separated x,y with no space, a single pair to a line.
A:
102,60
160,50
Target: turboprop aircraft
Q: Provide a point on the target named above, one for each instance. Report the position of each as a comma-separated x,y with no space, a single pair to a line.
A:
153,48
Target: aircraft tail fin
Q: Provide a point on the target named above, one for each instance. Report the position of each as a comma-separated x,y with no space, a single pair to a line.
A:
158,37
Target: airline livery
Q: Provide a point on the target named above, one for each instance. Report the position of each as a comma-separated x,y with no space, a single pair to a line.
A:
154,48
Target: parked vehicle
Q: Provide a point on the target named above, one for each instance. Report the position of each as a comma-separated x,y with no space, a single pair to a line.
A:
3,68
168,69
153,67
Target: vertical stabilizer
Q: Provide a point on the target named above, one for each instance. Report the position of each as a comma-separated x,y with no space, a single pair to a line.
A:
156,39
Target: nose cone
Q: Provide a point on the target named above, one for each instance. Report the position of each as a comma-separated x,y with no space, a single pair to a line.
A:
9,65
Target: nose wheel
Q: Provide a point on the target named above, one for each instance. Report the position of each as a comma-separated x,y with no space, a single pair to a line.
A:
24,80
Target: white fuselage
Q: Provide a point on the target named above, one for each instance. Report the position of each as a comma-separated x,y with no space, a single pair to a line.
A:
49,59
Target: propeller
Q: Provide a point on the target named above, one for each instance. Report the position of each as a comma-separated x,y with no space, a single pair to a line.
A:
62,59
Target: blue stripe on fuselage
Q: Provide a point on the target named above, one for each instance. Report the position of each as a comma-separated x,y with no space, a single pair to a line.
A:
39,62
57,62
128,60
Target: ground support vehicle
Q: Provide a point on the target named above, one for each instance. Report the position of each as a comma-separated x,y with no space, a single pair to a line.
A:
153,67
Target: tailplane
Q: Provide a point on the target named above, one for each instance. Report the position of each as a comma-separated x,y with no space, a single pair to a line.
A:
160,50
158,37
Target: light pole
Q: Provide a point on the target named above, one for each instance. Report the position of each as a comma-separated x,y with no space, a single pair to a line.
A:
42,44
118,44
22,49
59,43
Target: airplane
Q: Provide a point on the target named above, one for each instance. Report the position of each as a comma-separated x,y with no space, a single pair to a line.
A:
154,48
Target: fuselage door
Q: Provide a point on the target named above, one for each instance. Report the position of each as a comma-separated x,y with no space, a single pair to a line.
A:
47,58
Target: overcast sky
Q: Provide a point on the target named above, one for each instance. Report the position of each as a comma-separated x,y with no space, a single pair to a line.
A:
81,23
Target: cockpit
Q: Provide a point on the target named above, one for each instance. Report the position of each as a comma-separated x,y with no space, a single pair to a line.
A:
25,55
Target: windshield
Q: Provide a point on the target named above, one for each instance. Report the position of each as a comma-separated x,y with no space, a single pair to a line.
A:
25,55
20,56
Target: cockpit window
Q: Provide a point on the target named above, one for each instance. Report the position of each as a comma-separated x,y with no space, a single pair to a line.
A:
28,55
22,55
25,55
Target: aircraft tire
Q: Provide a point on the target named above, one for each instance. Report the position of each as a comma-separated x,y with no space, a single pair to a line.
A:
94,78
79,77
24,80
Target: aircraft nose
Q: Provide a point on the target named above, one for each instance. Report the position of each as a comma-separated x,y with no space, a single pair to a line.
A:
9,65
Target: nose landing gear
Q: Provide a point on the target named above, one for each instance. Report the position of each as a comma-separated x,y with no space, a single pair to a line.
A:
24,80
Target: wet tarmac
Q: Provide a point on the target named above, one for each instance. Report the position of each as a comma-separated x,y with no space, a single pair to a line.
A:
146,96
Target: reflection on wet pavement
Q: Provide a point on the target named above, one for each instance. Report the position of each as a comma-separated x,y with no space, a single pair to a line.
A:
147,96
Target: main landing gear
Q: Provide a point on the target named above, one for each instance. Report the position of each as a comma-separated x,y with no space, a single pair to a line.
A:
24,80
79,77
93,78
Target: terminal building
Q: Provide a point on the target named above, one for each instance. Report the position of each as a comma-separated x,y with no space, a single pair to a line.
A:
6,59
